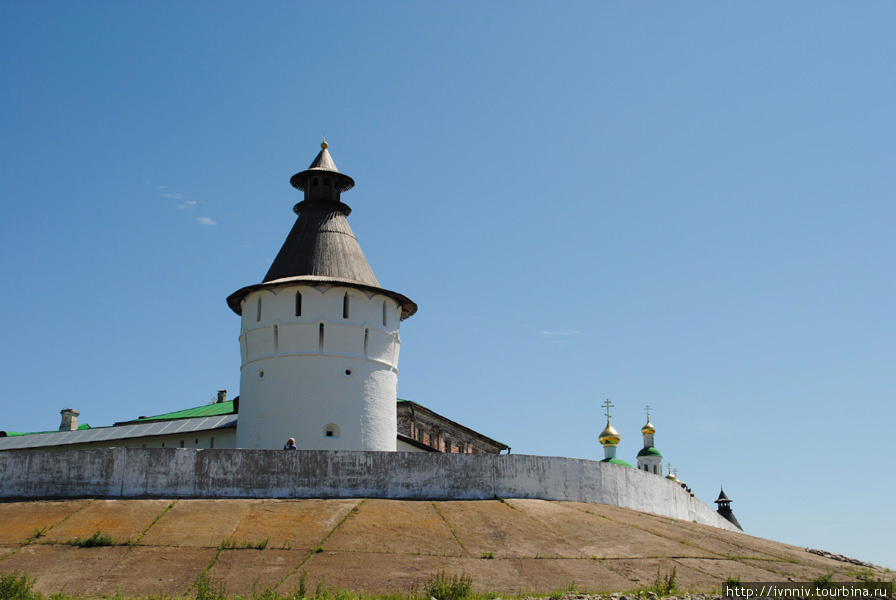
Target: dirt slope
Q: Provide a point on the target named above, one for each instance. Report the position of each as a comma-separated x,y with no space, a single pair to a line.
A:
511,547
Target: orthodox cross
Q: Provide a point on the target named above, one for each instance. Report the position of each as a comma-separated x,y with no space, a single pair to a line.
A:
647,408
608,406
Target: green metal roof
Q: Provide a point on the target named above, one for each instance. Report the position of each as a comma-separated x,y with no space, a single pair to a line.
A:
207,410
649,452
15,433
617,461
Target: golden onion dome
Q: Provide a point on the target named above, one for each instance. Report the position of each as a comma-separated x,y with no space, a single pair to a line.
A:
648,428
671,477
609,436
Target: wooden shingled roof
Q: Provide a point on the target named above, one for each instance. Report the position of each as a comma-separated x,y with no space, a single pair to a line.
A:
321,248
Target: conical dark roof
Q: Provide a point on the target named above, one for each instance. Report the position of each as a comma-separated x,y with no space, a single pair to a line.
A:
322,243
723,497
321,248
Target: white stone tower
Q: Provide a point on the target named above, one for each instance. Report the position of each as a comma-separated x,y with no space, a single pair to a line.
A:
319,339
649,458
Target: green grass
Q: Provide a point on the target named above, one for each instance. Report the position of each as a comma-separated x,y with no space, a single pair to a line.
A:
17,587
664,585
96,540
444,587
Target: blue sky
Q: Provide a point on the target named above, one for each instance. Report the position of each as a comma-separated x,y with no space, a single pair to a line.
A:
687,205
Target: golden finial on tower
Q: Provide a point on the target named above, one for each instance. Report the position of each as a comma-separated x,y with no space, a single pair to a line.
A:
648,427
609,436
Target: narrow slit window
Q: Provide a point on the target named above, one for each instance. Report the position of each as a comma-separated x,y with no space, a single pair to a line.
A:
298,304
258,311
276,338
320,339
345,306
366,339
385,314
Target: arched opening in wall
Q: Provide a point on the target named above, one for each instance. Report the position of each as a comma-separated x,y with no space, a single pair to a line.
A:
258,311
331,430
276,338
320,339
345,306
654,470
366,339
385,314
298,304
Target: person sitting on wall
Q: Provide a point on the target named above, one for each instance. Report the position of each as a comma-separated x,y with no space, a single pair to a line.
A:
290,444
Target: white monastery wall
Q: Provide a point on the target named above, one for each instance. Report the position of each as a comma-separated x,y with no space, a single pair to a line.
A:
321,367
175,473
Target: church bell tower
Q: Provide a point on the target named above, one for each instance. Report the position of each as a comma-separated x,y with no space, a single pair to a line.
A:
319,338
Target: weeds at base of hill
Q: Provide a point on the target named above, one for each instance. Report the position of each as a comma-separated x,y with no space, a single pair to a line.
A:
17,587
732,581
441,586
208,588
664,586
570,588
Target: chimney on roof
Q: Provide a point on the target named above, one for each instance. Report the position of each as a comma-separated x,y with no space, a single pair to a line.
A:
69,419
222,396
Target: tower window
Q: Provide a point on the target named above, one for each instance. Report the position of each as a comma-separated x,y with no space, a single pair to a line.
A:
331,430
276,338
298,304
366,339
385,314
320,339
345,306
327,181
258,311
314,181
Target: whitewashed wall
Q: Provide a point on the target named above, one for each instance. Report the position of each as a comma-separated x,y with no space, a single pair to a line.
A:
237,473
296,383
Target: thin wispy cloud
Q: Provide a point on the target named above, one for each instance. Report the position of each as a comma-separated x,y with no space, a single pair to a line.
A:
205,221
558,337
173,195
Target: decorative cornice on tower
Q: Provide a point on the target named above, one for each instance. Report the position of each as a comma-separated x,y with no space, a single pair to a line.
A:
321,248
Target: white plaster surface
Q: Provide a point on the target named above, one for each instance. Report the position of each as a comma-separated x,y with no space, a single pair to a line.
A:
239,473
294,386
